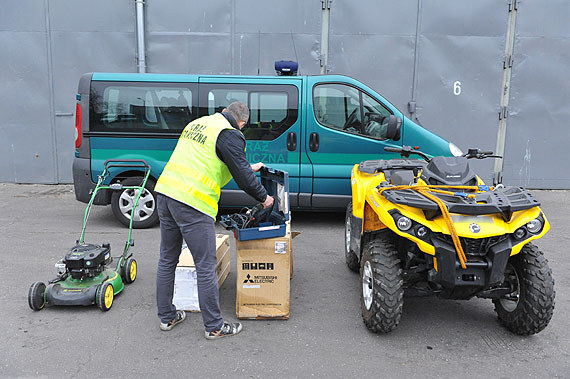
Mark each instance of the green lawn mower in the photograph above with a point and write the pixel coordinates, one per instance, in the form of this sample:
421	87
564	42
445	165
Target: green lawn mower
84	275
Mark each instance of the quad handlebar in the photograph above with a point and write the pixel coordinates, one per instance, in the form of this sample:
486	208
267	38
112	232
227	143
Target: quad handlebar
476	153
406	151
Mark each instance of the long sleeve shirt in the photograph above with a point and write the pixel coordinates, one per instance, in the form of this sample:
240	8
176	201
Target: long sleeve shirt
230	148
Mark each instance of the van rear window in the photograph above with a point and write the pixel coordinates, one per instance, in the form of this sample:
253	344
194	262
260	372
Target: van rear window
141	107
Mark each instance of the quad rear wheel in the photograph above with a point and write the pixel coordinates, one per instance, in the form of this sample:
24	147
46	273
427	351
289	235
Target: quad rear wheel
382	294
36	298
350	255
528	308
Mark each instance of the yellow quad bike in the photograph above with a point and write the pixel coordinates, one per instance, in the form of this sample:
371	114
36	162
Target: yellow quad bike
432	227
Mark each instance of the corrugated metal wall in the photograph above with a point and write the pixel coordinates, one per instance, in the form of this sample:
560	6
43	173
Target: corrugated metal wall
537	148
444	56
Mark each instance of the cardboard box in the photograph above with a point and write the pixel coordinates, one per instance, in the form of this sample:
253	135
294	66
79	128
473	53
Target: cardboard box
185	282
263	278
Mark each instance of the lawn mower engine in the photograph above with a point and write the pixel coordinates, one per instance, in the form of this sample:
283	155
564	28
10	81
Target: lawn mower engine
87	260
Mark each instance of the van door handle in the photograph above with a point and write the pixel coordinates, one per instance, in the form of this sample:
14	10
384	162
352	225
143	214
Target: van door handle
292	141
314	142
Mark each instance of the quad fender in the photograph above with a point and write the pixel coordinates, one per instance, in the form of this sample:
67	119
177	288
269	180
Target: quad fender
364	219
358	193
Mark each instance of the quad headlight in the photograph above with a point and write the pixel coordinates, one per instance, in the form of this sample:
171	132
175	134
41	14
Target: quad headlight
404	223
534	226
520	233
422	231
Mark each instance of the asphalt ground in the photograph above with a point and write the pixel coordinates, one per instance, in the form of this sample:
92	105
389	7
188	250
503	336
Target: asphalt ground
325	336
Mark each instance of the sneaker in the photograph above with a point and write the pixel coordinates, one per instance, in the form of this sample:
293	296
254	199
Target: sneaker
227	330
180	316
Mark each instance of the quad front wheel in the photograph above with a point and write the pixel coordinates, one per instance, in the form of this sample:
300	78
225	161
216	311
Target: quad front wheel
528	308
36	298
350	255
382	293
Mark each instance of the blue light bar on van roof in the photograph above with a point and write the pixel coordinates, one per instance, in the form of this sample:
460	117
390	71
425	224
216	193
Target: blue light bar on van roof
286	67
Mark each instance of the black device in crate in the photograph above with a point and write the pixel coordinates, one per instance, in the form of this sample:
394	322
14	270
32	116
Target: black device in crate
256	222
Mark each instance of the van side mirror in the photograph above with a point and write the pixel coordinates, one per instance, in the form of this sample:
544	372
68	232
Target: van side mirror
394	127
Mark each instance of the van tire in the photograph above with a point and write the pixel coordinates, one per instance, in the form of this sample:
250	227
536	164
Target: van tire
533	285
350	255
381	282
148	211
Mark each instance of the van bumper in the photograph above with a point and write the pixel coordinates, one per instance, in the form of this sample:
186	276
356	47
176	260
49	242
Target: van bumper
83	184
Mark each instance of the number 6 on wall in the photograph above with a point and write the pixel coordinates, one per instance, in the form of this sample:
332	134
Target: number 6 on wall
457	88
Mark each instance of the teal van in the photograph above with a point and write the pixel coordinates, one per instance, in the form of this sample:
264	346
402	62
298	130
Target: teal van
314	127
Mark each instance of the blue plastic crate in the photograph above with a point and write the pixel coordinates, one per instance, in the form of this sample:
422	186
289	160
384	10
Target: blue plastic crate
276	182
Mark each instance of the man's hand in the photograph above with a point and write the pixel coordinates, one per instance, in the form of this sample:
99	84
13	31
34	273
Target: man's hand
257	166
268	202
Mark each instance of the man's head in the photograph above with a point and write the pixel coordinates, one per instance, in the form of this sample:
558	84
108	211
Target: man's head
239	112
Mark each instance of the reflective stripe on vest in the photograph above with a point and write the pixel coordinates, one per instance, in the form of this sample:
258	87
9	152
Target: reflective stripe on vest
194	174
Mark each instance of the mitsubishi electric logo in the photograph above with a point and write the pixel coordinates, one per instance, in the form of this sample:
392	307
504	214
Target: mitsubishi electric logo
256	280
248	279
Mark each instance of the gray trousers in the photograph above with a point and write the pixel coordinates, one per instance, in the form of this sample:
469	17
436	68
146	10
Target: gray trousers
179	221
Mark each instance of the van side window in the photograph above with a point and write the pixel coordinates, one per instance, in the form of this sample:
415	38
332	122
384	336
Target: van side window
273	108
346	108
141	107
218	99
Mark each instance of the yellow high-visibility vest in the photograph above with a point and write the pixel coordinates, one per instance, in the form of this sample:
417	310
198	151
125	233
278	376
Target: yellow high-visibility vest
194	174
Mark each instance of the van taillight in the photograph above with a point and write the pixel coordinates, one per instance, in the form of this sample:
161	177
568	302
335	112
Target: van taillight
77	125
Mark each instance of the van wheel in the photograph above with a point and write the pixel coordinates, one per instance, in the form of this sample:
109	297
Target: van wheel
382	293
122	201
351	257
528	308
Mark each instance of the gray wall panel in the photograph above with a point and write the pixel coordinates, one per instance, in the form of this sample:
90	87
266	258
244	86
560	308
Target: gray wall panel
32	150
470	118
189	54
261	50
538	135
92	16
384	63
24	97
380	17
461	49
25	109
7	168
189	16
464	18
543	18
14	12
277	16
